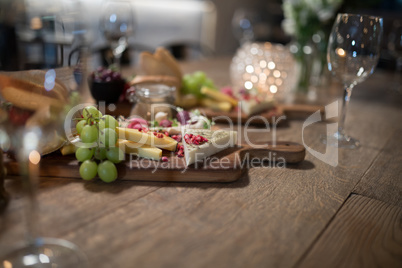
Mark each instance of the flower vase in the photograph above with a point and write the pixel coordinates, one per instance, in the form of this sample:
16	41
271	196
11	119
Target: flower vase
310	61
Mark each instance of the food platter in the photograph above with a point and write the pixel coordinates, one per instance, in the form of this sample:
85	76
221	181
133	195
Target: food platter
235	160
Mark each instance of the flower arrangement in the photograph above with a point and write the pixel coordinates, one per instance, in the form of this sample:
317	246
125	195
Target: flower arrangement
309	22
303	18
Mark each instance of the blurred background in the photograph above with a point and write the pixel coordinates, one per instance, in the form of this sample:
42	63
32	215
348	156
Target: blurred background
192	29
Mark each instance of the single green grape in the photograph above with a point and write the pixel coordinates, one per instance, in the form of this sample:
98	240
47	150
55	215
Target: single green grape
107	121
199	76
80	125
100	153
108	137
89	134
209	83
190	85
115	154
91	112
88	170
107	171
83	154
75	97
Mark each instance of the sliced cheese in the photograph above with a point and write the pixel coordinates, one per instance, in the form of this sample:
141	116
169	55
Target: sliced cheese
142	150
166	143
223	106
68	149
218	96
218	140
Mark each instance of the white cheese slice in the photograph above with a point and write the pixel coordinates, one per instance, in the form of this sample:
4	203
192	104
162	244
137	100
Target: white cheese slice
250	107
218	140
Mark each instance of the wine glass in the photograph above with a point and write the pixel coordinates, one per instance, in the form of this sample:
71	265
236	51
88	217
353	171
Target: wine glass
395	48
116	25
244	21
35	92
353	53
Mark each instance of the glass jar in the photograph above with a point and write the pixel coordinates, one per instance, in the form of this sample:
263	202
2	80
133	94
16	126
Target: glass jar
153	98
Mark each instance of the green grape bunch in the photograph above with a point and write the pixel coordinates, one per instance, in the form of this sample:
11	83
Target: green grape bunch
99	155
192	83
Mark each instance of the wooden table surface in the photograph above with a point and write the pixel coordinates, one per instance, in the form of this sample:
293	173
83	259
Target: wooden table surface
306	215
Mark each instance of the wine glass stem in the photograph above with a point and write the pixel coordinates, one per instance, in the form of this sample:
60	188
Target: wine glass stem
116	59
345	104
3	193
29	179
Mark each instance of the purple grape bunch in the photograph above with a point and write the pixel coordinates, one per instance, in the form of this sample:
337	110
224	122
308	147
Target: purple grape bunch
102	74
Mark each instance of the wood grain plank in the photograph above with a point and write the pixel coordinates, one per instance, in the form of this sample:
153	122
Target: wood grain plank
383	180
65	205
365	233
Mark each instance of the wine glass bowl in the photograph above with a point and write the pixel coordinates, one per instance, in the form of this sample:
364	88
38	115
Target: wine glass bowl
353	53
116	24
33	104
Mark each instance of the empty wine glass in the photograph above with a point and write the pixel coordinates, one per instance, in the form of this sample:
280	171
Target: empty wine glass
116	25
33	103
353	53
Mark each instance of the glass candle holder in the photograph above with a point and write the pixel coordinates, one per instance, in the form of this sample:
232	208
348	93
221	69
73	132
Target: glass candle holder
264	67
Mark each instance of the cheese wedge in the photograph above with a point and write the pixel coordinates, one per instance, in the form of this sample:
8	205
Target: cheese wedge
142	150
163	142
218	140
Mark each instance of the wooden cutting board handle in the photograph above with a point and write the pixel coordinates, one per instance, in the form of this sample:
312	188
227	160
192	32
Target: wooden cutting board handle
290	152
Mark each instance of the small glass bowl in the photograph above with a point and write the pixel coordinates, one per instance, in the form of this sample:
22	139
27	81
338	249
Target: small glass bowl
149	99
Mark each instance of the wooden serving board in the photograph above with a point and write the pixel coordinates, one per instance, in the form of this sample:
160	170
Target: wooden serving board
225	166
290	111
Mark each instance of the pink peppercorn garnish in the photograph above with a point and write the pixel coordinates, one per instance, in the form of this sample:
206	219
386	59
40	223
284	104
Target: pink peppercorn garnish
143	129
194	139
176	138
158	135
180	151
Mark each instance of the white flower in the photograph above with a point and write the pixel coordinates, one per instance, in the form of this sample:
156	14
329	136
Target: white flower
325	14
288	10
314	5
289	26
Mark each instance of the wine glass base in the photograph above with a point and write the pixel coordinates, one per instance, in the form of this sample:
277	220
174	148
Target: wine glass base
340	141
46	252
